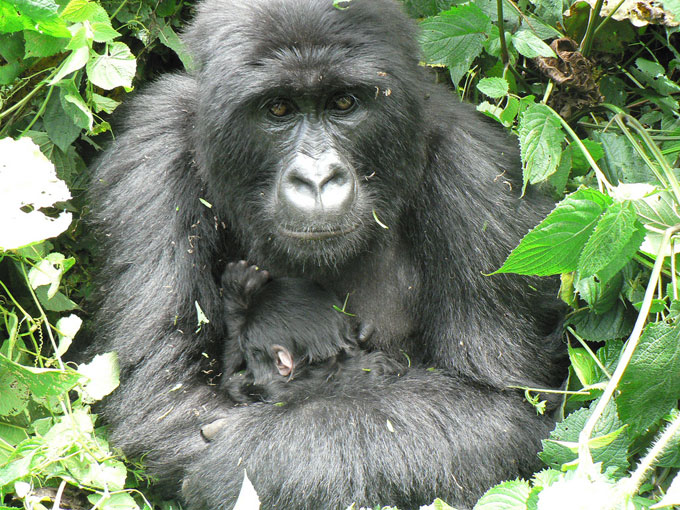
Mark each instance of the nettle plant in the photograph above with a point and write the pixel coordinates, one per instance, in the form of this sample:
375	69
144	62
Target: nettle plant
591	91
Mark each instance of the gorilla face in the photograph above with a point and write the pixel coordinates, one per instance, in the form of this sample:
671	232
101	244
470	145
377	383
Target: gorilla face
317	123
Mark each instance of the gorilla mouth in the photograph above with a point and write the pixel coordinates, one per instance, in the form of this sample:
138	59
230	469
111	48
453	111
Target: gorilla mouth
317	235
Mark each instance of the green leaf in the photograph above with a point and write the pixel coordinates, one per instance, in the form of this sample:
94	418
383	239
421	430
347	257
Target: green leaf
584	366
555	245
117	501
77	11
540	138
169	38
600	296
455	38
616	323
650	387
57	303
74	105
103	31
41	382
76	60
114	69
493	87
60	128
612	455
512	495
103	103
37	9
580	164
41	45
621	163
531	46
616	238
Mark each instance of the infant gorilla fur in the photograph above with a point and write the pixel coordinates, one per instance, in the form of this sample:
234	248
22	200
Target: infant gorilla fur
293	339
300	123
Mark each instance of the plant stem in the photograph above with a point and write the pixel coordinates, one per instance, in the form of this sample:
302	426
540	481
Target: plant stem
587	42
501	33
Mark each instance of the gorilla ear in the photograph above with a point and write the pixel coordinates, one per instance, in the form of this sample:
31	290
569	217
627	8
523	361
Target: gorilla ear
283	359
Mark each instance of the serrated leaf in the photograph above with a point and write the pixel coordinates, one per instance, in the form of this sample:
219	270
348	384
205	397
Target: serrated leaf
41	382
555	245
613	455
114	69
77	11
455	38
616	323
41	45
37	9
530	45
493	87
540	139
116	501
650	387
600	296
512	495
617	236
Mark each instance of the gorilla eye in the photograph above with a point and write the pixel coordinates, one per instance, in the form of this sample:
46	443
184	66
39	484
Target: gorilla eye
280	108
343	102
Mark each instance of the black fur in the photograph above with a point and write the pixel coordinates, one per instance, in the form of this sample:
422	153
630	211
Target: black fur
304	321
443	180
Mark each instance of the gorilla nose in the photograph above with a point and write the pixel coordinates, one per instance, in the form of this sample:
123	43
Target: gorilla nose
319	186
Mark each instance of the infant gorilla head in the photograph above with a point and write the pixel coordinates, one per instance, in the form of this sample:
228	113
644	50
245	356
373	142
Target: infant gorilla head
291	338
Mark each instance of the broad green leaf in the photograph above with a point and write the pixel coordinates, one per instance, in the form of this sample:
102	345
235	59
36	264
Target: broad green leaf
530	45
76	60
455	38
59	126
15	395
540	139
617	236
621	163
103	103
77	11
169	38
103	31
41	382
116	501
74	105
41	45
600	296
11	20
613	455
615	323
57	303
650	387
584	366
550	11
109	475
512	495
580	164
555	245
49	272
493	87
114	69
37	9
672	6
654	75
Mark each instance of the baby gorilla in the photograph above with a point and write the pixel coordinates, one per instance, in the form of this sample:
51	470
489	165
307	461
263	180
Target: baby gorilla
292	340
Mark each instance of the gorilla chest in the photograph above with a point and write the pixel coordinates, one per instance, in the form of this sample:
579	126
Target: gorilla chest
382	292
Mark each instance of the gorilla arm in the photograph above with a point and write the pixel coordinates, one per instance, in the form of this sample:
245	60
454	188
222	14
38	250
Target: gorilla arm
399	441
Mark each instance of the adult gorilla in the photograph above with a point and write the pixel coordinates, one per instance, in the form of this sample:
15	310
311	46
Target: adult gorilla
302	126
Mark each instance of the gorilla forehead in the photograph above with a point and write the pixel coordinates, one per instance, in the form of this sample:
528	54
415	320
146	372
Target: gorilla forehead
305	42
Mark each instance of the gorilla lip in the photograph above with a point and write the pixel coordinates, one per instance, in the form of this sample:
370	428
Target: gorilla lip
317	235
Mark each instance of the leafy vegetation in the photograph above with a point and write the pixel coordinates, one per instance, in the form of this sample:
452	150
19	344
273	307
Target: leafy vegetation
591	90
